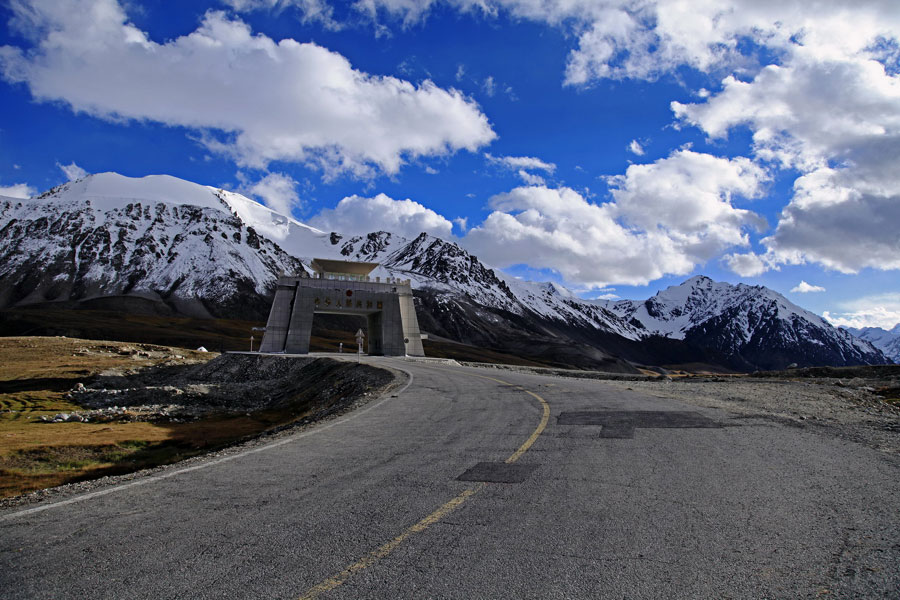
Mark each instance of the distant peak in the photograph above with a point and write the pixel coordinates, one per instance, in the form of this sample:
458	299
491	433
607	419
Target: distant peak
698	279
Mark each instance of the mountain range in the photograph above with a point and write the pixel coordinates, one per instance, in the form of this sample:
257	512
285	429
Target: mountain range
888	341
170	246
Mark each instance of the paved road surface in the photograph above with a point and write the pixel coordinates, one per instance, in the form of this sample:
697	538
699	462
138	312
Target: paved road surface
371	507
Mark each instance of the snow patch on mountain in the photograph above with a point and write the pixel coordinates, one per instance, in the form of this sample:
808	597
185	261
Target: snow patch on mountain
678	309
888	341
737	318
159	237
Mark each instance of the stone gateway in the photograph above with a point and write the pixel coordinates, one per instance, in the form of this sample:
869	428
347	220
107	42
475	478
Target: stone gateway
344	288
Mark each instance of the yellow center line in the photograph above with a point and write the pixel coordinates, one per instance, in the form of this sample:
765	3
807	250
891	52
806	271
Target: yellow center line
447	508
379	553
545	418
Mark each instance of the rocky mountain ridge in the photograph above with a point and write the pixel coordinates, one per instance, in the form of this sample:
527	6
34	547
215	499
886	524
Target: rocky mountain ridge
751	325
886	340
205	251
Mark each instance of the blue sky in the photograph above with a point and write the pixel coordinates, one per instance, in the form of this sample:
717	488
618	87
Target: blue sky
612	146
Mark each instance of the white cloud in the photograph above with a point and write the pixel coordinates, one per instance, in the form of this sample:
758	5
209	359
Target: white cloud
807	111
806	288
460	72
17	190
828	105
667	217
489	87
558	229
462	223
746	265
356	215
840	220
646	38
635	148
277	191
249	96
530	163
607	296
72	171
834	116
688	198
310	10
530	178
881	310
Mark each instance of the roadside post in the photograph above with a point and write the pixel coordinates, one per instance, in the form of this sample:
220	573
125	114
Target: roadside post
359	342
252	338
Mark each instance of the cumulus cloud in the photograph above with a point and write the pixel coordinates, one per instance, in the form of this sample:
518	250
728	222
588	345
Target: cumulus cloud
248	96
646	38
806	288
667	217
832	111
17	190
277	191
838	219
881	310
558	229
688	197
808	111
72	171
356	215
746	265
530	178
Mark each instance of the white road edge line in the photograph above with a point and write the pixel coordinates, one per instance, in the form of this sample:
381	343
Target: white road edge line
212	463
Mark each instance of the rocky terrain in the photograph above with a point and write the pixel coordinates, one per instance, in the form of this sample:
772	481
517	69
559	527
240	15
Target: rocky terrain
861	406
226	385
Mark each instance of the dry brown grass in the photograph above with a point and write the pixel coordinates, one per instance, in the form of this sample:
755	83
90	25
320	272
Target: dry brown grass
35	374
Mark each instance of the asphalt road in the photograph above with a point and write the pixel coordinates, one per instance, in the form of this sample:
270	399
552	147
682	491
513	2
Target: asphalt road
652	505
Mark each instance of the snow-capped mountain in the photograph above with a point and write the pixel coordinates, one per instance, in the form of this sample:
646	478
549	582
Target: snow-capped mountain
888	341
158	237
750	326
203	251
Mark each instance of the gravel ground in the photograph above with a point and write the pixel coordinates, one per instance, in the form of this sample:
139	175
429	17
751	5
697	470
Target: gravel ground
830	406
848	402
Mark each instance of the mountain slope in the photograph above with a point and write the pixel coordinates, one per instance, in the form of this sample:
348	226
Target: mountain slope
163	239
888	341
753	327
203	251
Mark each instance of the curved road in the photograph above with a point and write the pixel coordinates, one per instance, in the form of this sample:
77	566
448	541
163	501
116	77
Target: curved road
593	493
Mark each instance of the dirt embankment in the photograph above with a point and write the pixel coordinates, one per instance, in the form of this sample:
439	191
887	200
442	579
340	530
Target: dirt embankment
228	384
73	410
